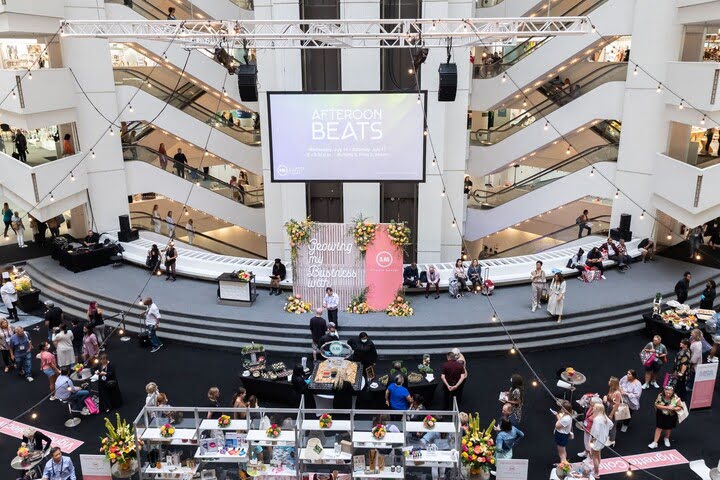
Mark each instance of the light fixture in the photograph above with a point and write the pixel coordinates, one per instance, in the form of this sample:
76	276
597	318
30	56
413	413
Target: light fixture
629	472
443	193
165	57
454	223
425	132
504	77
112	132
464	256
29	75
410	71
92	153
681	106
513	351
14	94
567	152
547	125
669	236
593	28
592	171
642	215
659	88
418	100
149	84
52	197
33	416
494	318
524	103
702	122
121	331
534	383
617	194
72	176
635	71
224	92
186	212
434	161
130	108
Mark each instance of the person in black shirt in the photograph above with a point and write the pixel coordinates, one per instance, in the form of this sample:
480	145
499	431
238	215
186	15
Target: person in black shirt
682	287
91	239
299	385
77	331
595	259
318	327
364	350
707	298
213	401
467	185
170	260
343	393
36	440
180	162
53	318
647	247
330	336
411	277
21	146
278	275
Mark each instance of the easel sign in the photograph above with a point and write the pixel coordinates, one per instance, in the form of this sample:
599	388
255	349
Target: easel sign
370	372
511	469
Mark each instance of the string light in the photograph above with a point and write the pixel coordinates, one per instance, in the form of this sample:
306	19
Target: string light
443	193
617	194
592	171
659	88
592	28
29	75
425	132
669	236
698	257
524	103
410	71
629	472
165	56
112	132
454	223
33	416
434	161
121	332
72	176
92	153
14	94
513	351
534	383
567	152
642	215
547	125
224	92
494	318
418	100
702	122
635	71
681	104
52	197
130	108
504	77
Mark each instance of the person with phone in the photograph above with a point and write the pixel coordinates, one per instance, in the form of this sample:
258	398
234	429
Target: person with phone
563	428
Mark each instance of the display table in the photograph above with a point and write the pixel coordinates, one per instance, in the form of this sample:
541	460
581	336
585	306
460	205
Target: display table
232	291
86	259
670	335
29	301
280	390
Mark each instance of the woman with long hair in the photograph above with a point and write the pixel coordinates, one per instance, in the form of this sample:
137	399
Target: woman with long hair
557	296
343	393
600	436
90	343
707	298
48	365
563	429
238	401
516	396
5	333
97	323
63	340
162	156
612	401
108	387
460	276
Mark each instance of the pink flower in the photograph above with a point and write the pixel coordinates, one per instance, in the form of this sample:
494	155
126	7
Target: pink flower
298	296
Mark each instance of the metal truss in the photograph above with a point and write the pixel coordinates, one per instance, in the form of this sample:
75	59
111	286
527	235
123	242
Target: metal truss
291	34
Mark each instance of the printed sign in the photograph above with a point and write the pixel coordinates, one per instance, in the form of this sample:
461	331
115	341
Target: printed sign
383	270
95	467
15	429
704	385
511	469
646	461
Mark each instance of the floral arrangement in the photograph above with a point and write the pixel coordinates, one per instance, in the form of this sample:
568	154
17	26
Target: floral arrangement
296	305
564	467
252	348
358	304
299	233
399	308
570	371
429	422
223	421
23	452
273	431
399	233
244	276
325	420
119	445
379	431
78	367
424	367
22	284
167	431
478	447
363	231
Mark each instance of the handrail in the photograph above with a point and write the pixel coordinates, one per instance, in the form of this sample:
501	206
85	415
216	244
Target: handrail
203	113
145	215
160	15
198	175
547	106
495	69
482	196
548	235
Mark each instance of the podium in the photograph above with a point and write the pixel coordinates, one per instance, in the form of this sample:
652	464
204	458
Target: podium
231	291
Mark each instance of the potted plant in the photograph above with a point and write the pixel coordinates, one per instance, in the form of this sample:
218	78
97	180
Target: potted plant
119	447
478	450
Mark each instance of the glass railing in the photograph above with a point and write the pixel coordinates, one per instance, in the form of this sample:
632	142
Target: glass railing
600	226
556	98
143	221
608	129
185	99
535	178
184	9
249	196
513	55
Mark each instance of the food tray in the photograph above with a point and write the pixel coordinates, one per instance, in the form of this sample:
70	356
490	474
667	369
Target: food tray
278	367
322	378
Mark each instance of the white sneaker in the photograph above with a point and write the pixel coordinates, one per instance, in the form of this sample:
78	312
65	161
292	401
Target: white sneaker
603	277
582	454
667	442
85	411
645	386
623	428
53	398
534	308
713	359
655	385
30	379
653	446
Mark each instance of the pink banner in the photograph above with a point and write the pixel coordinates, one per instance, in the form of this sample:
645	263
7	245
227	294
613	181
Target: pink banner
648	460
704	385
15	429
383	270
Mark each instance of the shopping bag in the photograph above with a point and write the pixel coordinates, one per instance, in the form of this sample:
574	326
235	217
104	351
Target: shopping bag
91	406
622	412
683	414
544	296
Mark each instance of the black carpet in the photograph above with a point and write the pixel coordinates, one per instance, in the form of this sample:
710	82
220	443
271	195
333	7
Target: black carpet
709	257
12	253
185	373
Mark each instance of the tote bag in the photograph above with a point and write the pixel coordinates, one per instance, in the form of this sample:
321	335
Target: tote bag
622	412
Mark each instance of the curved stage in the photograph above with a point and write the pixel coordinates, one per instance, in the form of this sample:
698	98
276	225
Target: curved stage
190	313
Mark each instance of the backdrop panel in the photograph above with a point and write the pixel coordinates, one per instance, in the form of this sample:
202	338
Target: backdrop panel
383	270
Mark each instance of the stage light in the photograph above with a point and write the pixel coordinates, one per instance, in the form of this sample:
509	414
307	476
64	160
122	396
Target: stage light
420	57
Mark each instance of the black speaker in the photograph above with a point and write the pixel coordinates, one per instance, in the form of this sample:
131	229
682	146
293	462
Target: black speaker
447	88
626	235
625	222
615	234
128	236
124	223
247	82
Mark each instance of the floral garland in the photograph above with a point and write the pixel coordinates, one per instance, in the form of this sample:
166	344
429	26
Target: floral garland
478	447
399	308
299	233
118	444
358	304
399	233
363	232
295	304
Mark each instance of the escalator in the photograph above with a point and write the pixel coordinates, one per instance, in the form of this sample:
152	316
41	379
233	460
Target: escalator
142	221
246	195
485	199
522	50
555	99
189	9
601	226
186	98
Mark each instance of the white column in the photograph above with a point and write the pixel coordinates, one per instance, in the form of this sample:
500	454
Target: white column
360	71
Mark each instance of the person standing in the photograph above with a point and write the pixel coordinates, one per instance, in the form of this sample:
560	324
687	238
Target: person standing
330	303
631	389
433	281
180	162
110	395
20	348
60	467
696	239
9	298
538	284
682	287
506	439
707	298
667	406
63	341
19	227
612	402
21	146
651	371
696	356
453	378
90	344
152	322
48	365
397	397
53	318
170	221
681	371
364	350
583	223
96	321
516	396
171	14
68	148
709	134
563	429
279	272
170	261
557	296
7	214
162	156
600	434
155	220
190	228
5	333
318	327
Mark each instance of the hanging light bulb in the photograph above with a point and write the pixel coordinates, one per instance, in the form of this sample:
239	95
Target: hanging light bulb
434	161
513	351
186	212
224	92
534	383
33	416
410	71
52	197
504	77
698	257
92	153
659	88
567	152
112	132
702	122
629	472
425	132
29	75
635	71
592	171
524	103
443	193
121	332
418	100
165	57
642	215
454	223
669	236
130	108
494	318
681	106
72	176
593	28
14	94
149	84
617	194
547	125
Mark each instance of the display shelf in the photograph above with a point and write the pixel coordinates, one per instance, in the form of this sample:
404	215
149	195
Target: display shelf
367	438
385	473
444	457
337	426
286	436
272	472
220	457
235	425
440	427
182	435
327	456
166	469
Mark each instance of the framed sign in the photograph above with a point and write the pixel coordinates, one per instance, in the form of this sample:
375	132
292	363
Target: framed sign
511	469
95	467
370	372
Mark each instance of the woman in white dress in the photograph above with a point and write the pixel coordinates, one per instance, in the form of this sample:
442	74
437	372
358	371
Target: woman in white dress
156	222
600	435
63	340
557	296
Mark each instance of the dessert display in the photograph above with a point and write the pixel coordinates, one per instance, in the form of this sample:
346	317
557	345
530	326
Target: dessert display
680	319
325	372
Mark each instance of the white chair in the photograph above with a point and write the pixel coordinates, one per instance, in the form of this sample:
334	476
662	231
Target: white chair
699	467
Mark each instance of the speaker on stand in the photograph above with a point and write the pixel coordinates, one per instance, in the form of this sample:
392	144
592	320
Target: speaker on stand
624	229
127	234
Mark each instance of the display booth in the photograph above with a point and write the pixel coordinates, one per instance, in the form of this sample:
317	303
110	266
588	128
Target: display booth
28	296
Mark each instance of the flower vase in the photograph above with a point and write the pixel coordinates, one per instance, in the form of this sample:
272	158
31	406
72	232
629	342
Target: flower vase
124	469
561	474
472	474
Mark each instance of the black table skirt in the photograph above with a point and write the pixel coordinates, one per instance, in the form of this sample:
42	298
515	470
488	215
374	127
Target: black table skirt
670	335
87	260
277	390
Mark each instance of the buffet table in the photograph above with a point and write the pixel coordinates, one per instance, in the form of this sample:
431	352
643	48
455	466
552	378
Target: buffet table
87	259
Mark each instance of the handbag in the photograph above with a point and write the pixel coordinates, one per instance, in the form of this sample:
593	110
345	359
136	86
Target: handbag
683	414
544	295
623	411
670	380
569	263
647	358
91	406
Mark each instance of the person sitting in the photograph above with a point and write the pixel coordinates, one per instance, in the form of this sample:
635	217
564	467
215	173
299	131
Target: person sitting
67	391
433	281
36	440
91	239
616	255
475	276
153	258
577	261
595	260
411	277
460	276
647	248
278	275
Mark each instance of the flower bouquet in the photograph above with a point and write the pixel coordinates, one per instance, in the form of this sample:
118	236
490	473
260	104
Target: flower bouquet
244	276
119	445
399	233
78	367
23	452
223	421
167	431
22	284
478	447
359	305
399	308
570	371
299	233
363	232
429	422
379	431
325	420
295	304
273	431
563	469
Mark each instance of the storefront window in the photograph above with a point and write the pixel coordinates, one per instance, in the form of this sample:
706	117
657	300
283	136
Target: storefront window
43	144
617	51
22	54
124	56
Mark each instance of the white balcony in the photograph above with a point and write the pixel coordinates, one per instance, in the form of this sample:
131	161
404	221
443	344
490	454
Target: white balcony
31	16
700	84
697	11
46	99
